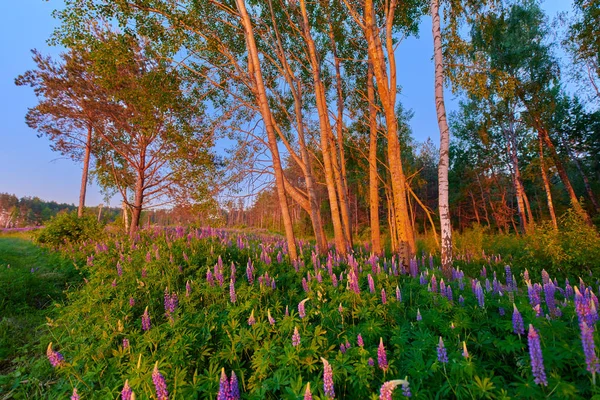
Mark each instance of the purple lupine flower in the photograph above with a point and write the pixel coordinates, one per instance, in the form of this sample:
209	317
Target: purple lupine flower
382	356
209	277
307	393
340	308
398	294
442	287
442	354
56	359
526	275
131	302
119	269
406	389
461	300
419	315
501	311
223	386
144	272
270	318
360	341
449	294
75	395
465	352
370	361
232	296
422	279
568	289
296	337
508	276
343	348
114	283
125	343
251	320
126	393
387	389
371	283
537	360
159	384
328	379
188	289
549	290
383	296
305	285
234	387
287	312
301	309
589	348
434	284
545	277
479	294
145	320
517	321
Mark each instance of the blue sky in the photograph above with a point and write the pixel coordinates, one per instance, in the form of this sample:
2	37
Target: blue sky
28	167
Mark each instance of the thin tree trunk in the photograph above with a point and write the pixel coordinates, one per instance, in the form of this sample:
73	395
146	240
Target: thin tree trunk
261	97
138	201
547	186
563	174
327	151
586	182
85	172
443	202
373	176
475	208
387	94
516	178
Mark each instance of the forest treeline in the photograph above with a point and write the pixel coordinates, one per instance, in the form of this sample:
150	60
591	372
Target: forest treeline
308	94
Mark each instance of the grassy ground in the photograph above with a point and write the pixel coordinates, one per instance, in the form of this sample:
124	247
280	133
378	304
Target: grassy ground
32	281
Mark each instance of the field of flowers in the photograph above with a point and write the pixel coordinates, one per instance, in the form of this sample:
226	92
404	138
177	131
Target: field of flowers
214	314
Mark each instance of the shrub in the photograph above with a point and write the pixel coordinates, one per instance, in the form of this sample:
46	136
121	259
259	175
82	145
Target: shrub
67	228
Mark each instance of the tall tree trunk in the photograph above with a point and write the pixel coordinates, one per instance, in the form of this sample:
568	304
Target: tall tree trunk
138	201
261	97
85	172
373	176
516	177
443	202
125	215
341	181
387	94
586	182
543	134
327	150
547	186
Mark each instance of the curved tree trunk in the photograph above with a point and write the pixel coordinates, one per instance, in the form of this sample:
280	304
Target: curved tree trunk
446	227
261	97
547	187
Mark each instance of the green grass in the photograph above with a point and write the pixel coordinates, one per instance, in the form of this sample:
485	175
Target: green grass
32	281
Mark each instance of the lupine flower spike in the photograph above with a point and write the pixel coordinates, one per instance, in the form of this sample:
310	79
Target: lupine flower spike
517	320
223	386
75	395
159	384
296	337
382	356
441	352
271	319
127	393
307	393
301	309
328	379
234	388
387	389
465	352
55	358
537	361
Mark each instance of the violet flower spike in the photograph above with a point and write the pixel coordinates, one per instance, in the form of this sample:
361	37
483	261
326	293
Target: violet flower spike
442	354
419	318
146	320
234	388
382	356
301	309
270	318
159	384
517	321
56	359
387	389
223	386
126	393
537	360
75	395
328	379
360	341
251	320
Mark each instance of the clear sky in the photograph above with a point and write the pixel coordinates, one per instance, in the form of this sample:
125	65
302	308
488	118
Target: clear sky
28	167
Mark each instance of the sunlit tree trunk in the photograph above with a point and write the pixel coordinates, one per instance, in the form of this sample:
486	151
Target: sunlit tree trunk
261	97
373	176
516	177
586	182
387	93
443	204
85	172
326	135
547	186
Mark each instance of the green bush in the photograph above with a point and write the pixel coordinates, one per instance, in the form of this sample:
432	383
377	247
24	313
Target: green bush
67	228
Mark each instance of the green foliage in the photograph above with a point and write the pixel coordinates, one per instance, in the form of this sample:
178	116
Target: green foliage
66	228
574	249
